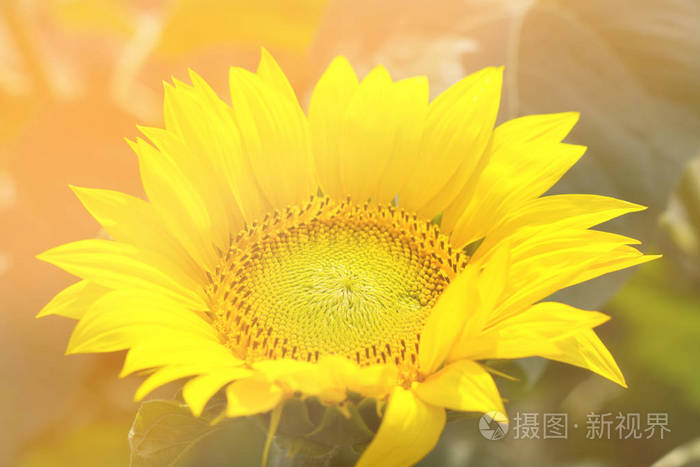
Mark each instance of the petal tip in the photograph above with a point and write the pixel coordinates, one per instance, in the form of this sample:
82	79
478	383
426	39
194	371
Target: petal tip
45	311
265	54
45	256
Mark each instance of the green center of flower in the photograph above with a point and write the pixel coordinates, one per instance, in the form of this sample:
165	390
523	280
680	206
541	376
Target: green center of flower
332	278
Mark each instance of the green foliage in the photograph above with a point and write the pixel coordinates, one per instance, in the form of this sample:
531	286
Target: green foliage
164	430
165	433
663	318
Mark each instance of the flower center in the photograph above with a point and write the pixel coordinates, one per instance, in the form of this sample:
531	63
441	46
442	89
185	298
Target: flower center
332	278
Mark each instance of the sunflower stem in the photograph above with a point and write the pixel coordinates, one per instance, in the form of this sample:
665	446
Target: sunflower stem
274	423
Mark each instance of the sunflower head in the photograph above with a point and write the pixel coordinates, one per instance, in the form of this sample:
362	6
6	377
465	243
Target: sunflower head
285	254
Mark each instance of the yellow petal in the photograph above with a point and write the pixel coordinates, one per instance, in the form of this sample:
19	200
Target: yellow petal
554	260
555	212
178	202
328	105
410	429
411	103
203	141
271	74
565	340
162	377
219	137
117	265
131	220
368	136
345	375
544	260
251	396
334	375
199	390
573	211
74	301
516	133
493	282
514	175
458	128
124	318
543	241
195	153
551	128
381	131
528	333
330	378
585	349
374	380
275	139
628	257
296	375
158	352
173	373
463	385
459	300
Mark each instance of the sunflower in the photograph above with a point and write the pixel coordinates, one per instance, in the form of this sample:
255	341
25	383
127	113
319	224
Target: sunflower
381	244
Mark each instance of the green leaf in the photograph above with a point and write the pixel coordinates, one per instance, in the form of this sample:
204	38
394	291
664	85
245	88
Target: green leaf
301	448
163	431
239	442
336	429
295	419
367	409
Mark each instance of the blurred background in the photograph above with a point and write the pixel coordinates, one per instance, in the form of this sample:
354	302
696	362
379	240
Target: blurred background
76	76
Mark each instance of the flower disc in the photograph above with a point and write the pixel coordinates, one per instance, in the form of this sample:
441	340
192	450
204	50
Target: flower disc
332	278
